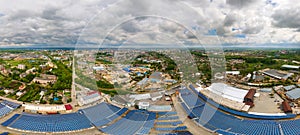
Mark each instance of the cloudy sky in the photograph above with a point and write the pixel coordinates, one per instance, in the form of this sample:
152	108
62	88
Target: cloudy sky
113	22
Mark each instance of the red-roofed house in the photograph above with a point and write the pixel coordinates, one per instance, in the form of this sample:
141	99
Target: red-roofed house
68	107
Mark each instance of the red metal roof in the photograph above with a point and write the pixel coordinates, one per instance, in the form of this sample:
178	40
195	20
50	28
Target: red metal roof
68	107
250	94
286	106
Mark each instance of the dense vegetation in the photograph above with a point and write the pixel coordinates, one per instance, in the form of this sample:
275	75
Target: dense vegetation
64	76
32	94
104	84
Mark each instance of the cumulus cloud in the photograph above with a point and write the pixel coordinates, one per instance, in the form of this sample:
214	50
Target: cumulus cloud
67	22
230	19
287	18
240	3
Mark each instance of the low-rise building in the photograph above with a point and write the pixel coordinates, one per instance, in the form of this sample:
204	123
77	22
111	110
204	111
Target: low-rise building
89	98
290	67
233	72
8	91
45	79
21	66
249	98
290	87
286	107
155	77
143	105
293	94
277	74
19	93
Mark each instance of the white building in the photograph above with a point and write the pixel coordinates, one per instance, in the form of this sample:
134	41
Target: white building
143	105
44	108
89	98
19	93
228	92
290	66
21	66
45	79
233	72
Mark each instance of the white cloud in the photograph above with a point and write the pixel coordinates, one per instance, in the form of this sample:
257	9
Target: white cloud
65	21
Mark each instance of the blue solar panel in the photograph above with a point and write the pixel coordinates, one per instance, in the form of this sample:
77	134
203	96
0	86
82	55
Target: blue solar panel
221	107
10	104
132	123
103	113
5	110
179	128
173	123
190	99
51	123
213	119
168	118
10	120
5	133
166	113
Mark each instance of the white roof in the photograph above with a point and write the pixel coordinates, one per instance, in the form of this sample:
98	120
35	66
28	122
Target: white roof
160	108
140	96
267	114
228	92
290	66
98	68
233	72
144	103
48	108
266	90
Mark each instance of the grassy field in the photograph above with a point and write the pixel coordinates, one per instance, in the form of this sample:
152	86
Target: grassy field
29	63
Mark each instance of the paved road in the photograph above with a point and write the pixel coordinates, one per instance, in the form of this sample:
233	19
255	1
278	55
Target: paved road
73	89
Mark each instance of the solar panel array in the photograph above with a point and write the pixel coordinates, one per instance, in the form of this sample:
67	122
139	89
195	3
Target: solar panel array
103	113
50	123
6	107
135	122
220	122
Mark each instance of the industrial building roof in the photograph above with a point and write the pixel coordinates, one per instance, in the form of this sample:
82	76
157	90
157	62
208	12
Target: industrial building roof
290	66
290	87
163	108
286	106
266	90
294	94
227	91
250	94
156	75
276	74
233	72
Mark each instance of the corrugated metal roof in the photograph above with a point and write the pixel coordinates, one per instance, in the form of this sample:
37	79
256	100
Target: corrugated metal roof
250	94
91	96
290	87
294	94
266	90
276	74
286	106
290	66
228	91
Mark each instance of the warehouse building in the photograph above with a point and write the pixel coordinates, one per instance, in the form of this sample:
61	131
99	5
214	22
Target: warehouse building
293	94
